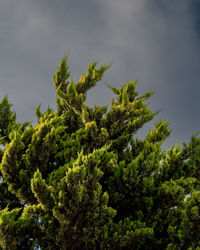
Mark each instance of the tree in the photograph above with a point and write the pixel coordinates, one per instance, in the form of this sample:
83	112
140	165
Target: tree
81	179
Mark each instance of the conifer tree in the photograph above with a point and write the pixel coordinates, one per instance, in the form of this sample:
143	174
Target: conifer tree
81	179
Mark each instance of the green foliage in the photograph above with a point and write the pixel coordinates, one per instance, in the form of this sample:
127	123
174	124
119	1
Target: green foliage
80	178
7	120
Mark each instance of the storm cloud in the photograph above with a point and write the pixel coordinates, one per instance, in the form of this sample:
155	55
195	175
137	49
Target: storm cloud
154	41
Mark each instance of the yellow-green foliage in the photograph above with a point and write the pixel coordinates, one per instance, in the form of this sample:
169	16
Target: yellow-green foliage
81	179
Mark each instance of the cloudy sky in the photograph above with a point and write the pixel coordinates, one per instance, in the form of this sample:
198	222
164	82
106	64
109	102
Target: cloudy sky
156	41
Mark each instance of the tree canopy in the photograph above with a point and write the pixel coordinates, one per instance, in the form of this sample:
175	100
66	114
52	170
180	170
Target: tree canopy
82	179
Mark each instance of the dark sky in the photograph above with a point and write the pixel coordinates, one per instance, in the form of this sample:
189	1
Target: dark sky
156	41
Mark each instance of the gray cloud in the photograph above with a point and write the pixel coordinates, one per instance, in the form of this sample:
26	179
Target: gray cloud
155	41
163	54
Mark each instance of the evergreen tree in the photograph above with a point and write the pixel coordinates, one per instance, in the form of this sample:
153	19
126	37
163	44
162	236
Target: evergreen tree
81	179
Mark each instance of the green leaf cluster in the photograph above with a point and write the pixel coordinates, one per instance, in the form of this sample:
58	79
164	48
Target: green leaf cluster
81	179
